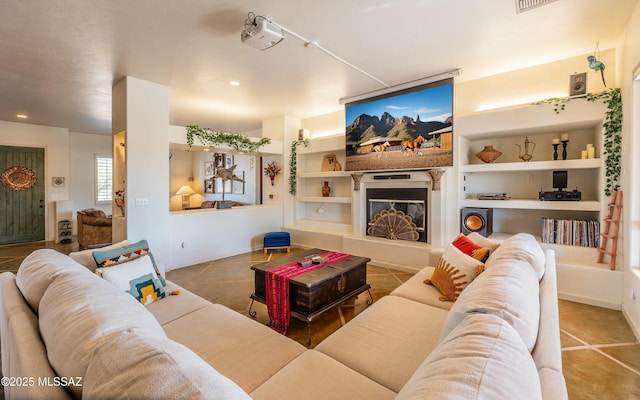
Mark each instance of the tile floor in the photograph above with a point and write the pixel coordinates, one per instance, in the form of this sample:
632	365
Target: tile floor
601	356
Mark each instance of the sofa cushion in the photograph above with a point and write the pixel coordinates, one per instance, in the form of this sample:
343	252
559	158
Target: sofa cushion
85	257
81	312
27	358
415	289
324	378
388	341
173	307
39	269
136	277
245	351
454	271
509	290
480	240
483	358
468	247
92	212
522	246
133	365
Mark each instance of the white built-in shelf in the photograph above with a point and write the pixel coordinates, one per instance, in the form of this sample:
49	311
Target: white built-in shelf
327	144
319	174
592	163
320	199
534	204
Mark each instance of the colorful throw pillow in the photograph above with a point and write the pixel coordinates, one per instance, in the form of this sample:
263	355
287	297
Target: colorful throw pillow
136	277
453	272
120	255
468	247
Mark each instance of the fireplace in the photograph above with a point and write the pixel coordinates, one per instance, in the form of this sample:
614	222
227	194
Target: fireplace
397	213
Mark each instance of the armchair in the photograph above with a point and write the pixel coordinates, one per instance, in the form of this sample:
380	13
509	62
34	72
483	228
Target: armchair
94	227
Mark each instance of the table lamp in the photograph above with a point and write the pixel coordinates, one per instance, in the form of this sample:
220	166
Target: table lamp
185	192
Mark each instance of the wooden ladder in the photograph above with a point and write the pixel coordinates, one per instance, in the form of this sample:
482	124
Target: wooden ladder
611	232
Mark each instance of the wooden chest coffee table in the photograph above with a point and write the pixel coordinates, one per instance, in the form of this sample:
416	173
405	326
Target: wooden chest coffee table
314	293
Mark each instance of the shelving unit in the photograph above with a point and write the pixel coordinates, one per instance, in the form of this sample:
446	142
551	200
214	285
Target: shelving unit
333	213
580	277
505	129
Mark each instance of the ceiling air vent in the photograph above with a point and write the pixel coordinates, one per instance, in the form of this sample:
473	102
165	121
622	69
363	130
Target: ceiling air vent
526	5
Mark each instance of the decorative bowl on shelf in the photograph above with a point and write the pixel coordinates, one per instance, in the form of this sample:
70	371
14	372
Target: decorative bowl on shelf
489	154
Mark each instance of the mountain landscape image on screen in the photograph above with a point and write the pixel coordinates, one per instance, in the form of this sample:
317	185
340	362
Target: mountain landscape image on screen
406	129
366	127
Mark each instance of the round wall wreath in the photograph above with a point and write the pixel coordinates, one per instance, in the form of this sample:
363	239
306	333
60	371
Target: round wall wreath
18	178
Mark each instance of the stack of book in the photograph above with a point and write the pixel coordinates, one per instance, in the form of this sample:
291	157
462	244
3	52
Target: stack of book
571	232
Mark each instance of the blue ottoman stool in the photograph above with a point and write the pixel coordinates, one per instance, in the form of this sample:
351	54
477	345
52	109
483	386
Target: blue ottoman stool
277	240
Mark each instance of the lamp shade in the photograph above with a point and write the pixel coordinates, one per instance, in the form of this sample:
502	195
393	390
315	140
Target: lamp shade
186	190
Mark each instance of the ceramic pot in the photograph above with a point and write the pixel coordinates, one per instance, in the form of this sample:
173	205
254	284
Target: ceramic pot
489	154
326	190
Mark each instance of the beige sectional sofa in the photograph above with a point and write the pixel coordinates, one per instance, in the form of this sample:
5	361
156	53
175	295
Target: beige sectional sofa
67	333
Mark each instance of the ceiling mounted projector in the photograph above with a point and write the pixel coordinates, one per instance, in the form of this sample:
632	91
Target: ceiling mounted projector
262	34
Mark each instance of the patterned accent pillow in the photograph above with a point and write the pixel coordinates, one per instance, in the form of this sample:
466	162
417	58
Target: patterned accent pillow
453	272
136	277
470	248
112	257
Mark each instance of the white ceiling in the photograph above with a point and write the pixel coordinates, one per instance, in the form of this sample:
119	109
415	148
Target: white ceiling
59	58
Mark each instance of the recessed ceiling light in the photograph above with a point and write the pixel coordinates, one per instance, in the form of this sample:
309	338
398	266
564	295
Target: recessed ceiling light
22	116
234	83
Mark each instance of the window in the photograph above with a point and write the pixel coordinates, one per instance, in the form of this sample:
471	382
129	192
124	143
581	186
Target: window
104	179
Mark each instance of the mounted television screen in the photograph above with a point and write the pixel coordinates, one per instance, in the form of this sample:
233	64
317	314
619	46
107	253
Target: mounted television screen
407	129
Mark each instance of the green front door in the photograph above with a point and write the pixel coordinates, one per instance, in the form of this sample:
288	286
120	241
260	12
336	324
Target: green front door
21	194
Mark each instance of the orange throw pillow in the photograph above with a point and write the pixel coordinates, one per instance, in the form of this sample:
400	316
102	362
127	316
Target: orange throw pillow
454	271
468	247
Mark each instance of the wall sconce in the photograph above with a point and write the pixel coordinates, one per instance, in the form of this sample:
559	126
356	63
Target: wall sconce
186	193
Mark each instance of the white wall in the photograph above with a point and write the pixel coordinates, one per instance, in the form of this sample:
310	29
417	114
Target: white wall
631	170
203	235
530	84
82	150
55	142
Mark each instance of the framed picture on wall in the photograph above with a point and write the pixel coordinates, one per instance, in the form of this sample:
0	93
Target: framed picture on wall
237	186
228	161
217	186
209	168
208	185
218	160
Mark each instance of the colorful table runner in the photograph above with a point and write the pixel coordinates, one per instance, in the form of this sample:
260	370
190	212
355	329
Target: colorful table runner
277	289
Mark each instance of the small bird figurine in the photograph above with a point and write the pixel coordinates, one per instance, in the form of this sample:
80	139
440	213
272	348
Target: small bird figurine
597	66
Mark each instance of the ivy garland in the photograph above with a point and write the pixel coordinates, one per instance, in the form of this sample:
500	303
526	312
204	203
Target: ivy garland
612	132
293	164
238	142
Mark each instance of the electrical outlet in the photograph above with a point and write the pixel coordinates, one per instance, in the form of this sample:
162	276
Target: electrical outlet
142	201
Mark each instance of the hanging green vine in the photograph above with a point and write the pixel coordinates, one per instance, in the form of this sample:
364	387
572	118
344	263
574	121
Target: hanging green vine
612	136
612	143
238	142
293	164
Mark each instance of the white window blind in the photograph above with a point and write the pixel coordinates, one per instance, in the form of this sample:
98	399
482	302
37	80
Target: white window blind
104	179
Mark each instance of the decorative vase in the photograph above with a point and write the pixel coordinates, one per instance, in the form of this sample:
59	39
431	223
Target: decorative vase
272	179
326	190
489	154
122	210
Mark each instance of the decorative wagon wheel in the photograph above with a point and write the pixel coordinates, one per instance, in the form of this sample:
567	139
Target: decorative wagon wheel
393	224
18	178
